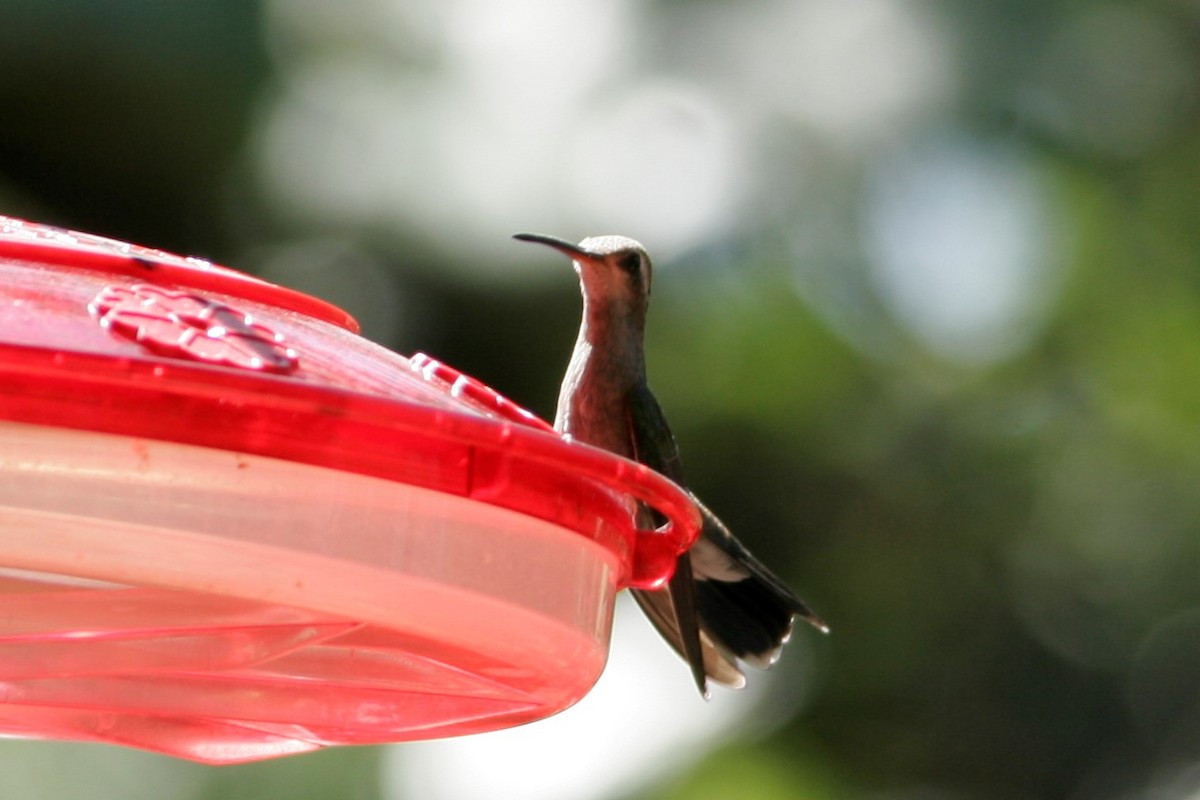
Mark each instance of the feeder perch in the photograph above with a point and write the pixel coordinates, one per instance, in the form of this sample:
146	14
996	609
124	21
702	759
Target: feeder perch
232	529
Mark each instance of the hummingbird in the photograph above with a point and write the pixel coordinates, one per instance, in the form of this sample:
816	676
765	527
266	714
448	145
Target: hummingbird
721	606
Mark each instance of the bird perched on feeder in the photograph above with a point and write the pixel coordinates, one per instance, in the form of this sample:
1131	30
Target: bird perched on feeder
722	605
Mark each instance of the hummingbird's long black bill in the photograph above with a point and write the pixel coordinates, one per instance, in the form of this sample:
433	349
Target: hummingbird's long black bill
562	245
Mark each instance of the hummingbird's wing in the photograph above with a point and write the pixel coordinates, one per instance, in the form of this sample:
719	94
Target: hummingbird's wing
713	661
714	530
674	612
653	441
743	610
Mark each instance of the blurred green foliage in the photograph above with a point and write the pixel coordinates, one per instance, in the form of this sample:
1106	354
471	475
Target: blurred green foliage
1008	552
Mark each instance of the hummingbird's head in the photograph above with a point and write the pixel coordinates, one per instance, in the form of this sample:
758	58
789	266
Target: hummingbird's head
613	269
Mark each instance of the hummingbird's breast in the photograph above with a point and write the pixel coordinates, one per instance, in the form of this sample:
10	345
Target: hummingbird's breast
594	401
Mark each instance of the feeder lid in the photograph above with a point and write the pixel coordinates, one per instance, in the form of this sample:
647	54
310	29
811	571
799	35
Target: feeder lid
231	528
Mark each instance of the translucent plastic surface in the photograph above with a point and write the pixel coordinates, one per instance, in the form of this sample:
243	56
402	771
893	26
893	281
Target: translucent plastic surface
274	601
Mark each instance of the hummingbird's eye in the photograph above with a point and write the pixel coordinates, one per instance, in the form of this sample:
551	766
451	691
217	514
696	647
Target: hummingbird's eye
631	263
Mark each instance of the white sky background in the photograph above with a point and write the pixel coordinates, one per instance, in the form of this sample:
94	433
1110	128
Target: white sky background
459	123
469	120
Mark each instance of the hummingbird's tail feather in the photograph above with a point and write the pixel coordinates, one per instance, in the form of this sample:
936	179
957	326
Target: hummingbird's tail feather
744	609
746	617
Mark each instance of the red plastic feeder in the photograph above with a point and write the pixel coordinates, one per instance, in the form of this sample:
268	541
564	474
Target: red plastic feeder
231	528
